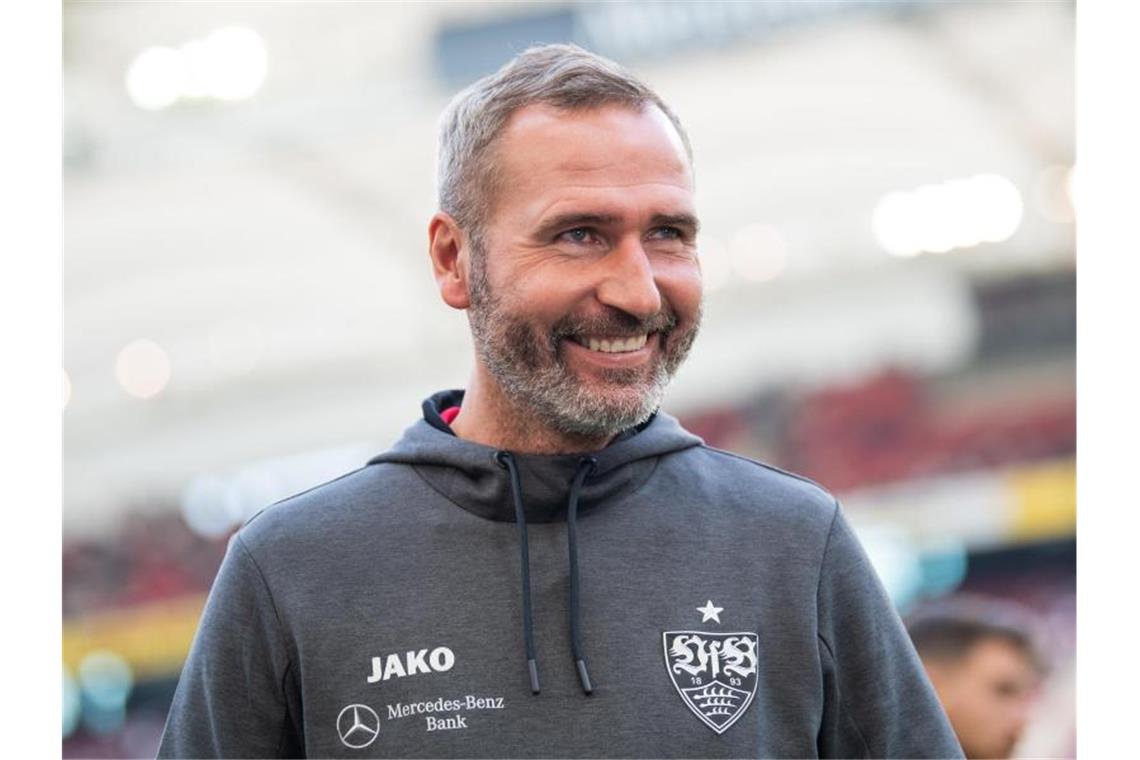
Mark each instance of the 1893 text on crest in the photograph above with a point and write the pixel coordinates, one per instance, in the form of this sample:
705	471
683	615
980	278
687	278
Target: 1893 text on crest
715	673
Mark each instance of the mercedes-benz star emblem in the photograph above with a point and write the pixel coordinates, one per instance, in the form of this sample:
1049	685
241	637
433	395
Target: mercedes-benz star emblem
358	726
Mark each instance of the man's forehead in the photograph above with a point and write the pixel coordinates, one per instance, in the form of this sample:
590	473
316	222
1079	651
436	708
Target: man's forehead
592	139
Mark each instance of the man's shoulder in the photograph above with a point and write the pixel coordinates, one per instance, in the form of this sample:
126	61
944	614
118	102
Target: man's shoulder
744	491
748	499
728	464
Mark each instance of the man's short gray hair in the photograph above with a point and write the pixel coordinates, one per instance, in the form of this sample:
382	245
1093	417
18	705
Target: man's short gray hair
562	76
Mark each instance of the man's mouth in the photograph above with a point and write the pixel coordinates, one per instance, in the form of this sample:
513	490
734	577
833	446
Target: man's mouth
612	344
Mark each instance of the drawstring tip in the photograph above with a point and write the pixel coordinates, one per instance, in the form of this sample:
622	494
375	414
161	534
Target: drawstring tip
533	667
584	677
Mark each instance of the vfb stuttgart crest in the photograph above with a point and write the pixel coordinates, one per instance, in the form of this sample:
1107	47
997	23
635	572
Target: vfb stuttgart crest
715	673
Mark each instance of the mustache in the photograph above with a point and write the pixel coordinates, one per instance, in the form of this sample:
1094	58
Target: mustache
614	322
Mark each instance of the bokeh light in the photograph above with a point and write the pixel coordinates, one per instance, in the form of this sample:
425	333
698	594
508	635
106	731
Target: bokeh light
106	678
156	78
895	225
142	368
211	506
997	205
1052	194
937	218
71	703
235	64
106	681
228	64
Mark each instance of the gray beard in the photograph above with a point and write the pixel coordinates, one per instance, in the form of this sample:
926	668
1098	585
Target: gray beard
532	371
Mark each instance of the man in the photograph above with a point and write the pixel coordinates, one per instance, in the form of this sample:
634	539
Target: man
982	660
547	565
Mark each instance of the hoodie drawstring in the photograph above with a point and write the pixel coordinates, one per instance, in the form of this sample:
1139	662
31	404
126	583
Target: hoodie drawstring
506	459
586	466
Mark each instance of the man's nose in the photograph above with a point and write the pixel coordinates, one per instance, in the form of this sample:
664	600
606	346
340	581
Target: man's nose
628	281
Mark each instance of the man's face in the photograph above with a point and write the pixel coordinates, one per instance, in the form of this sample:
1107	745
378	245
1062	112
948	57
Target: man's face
987	695
585	297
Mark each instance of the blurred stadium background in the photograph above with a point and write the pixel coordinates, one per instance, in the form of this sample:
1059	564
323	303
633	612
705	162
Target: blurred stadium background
887	191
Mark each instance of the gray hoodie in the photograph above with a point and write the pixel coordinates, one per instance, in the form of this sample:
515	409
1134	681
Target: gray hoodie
660	598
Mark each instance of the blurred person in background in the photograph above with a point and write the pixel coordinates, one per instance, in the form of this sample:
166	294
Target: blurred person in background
380	614
983	658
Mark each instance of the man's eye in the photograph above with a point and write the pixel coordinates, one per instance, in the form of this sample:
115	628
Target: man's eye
667	233
578	235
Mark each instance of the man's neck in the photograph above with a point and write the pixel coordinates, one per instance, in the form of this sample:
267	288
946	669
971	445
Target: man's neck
490	418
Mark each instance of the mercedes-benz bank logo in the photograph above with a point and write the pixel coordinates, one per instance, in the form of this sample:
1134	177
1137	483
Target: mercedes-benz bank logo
358	726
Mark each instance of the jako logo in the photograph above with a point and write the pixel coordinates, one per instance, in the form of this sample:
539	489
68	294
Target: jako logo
395	666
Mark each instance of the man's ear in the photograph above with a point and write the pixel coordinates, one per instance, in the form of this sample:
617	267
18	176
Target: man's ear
450	259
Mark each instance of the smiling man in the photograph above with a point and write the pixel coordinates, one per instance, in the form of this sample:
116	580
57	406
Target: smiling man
591	299
547	564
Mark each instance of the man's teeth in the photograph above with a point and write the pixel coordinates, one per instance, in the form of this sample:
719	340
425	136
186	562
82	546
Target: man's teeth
614	345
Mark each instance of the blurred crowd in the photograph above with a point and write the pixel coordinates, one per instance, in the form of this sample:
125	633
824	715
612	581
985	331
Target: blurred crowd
154	556
892	427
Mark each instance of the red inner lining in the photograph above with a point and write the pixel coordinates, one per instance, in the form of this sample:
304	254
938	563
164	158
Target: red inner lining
449	414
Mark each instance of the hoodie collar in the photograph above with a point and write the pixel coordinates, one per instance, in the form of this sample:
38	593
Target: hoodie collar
468	474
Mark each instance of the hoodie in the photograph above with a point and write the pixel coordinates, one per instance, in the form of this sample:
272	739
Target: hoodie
656	598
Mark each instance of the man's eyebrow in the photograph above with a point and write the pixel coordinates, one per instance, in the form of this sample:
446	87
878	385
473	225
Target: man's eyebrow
577	219
676	220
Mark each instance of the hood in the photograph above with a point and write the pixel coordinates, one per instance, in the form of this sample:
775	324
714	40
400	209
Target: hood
470	475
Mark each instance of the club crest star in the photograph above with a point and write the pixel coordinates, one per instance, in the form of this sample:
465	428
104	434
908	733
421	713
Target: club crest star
709	612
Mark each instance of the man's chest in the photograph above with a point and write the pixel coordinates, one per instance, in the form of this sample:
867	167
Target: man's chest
433	664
